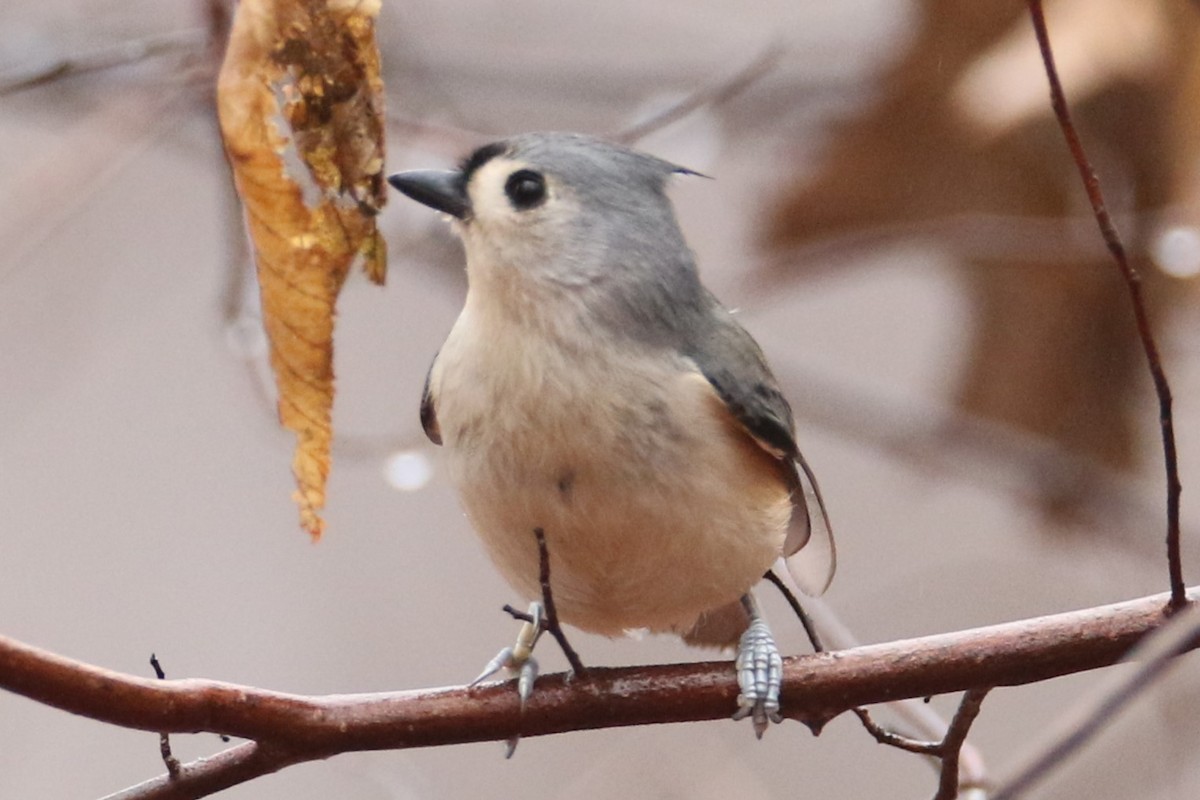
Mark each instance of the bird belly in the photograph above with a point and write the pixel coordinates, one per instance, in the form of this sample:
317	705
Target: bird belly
655	505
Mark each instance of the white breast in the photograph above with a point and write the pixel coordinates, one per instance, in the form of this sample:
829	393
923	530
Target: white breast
656	506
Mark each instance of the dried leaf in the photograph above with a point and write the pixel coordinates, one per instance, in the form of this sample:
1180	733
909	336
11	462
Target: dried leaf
301	106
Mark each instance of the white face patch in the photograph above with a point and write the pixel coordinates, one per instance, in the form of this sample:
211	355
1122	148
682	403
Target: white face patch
489	203
492	208
500	236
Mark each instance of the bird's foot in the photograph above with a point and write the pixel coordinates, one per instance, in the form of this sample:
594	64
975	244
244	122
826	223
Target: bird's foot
518	660
759	671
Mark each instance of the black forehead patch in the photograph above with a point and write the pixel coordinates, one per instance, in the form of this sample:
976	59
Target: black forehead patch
480	157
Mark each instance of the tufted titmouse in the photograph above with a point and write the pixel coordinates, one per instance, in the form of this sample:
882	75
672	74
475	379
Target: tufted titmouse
594	389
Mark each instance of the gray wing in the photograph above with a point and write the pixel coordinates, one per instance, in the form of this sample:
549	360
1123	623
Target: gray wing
734	364
429	411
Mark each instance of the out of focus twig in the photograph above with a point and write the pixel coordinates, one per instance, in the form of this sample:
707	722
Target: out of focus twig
105	57
1179	636
1133	281
940	440
706	96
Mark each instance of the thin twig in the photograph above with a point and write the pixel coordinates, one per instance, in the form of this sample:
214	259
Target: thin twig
814	637
893	739
452	139
968	710
1133	282
519	616
706	96
948	749
1178	636
164	739
551	622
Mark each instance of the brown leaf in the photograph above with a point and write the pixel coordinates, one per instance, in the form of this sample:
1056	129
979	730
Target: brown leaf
301	106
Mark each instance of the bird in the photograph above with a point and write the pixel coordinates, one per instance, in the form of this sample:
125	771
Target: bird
594	390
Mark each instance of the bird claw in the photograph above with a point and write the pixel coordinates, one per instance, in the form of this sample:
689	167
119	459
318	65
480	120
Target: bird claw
518	659
503	659
526	675
760	674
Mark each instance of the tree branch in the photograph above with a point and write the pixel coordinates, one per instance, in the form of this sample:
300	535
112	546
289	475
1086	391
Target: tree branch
292	728
956	736
207	776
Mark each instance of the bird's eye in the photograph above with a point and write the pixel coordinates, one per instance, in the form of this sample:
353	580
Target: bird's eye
525	189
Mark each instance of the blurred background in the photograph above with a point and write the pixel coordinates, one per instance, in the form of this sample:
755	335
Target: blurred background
895	216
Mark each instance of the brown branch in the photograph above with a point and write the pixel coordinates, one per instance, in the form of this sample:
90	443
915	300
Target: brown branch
1133	281
292	728
956	735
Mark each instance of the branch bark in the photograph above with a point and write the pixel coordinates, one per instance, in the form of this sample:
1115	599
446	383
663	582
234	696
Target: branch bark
815	688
